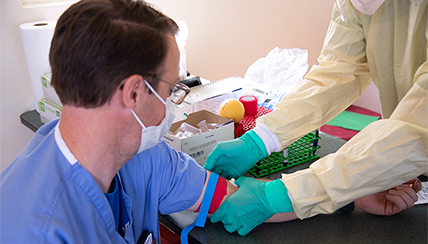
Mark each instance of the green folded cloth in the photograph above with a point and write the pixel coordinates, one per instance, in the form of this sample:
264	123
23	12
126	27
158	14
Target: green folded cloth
352	121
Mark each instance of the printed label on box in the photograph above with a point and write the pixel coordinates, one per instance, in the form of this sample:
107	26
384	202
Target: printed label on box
48	110
48	91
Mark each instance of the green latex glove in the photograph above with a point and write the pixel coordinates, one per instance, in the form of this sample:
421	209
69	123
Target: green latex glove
254	203
231	159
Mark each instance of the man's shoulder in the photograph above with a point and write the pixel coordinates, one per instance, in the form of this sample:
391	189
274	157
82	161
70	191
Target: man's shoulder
37	157
43	136
161	162
161	155
30	187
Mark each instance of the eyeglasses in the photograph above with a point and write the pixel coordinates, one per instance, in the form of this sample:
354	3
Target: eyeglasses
179	93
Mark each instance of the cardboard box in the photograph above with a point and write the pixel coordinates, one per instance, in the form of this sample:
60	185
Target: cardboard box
199	146
48	110
48	91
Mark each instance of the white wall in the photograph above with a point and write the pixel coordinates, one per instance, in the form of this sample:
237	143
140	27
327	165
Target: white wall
225	38
370	99
15	89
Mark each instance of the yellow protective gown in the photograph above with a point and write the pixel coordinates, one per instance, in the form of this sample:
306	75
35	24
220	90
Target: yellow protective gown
390	48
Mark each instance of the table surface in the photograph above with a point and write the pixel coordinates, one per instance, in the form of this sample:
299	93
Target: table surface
358	226
409	226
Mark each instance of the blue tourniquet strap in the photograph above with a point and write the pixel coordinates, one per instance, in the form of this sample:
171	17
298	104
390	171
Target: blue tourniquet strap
203	211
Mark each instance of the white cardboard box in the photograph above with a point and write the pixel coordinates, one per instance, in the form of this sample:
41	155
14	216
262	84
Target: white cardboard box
48	110
199	146
48	91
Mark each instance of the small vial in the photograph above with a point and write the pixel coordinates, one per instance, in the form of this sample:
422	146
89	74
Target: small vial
203	126
190	128
212	126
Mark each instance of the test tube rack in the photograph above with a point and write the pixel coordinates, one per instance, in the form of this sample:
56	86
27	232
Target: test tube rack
298	152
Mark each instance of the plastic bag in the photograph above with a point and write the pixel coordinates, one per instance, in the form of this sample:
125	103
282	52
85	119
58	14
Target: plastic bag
181	38
271	77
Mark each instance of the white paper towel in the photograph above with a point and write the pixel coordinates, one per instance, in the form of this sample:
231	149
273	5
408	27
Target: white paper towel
36	39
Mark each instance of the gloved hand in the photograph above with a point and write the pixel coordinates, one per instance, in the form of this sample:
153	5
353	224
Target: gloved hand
231	159
254	203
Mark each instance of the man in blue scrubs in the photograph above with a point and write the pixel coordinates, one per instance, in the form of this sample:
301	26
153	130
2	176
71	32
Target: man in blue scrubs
101	174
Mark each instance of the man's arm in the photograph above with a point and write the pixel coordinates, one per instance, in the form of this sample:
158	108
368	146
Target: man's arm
388	202
230	189
391	201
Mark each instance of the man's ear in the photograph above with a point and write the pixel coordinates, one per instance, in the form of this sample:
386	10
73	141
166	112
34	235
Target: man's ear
134	91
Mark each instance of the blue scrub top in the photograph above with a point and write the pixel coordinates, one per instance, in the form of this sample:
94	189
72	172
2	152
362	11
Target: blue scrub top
45	198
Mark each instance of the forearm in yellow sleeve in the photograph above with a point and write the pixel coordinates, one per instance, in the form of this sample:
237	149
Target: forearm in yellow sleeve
328	89
383	155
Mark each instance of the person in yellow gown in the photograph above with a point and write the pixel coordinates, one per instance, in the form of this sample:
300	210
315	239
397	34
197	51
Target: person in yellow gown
380	41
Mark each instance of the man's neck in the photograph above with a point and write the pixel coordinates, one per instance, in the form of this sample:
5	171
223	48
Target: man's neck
92	136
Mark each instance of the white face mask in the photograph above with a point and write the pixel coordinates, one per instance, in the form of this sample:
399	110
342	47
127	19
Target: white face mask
151	135
368	7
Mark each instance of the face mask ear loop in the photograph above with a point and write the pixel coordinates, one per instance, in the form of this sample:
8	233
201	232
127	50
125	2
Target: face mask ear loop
154	92
138	119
